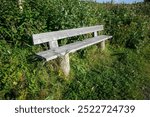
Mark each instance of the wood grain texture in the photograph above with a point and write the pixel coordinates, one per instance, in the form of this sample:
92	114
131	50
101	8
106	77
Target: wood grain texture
57	35
69	48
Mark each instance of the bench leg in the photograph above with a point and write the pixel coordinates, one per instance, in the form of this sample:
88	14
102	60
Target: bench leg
103	45
65	64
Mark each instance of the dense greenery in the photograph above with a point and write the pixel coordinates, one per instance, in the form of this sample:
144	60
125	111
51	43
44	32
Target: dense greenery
120	72
146	0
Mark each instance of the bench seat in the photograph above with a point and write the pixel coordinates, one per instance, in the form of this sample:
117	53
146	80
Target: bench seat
69	48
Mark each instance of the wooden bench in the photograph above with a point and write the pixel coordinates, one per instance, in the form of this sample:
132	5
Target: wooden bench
62	52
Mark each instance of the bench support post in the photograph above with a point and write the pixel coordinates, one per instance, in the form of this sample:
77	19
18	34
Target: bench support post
64	60
65	64
53	44
95	34
103	45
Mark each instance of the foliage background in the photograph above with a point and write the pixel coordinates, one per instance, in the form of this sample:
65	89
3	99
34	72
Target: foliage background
120	72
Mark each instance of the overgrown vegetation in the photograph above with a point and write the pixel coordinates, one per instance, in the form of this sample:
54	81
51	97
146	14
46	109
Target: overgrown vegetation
120	72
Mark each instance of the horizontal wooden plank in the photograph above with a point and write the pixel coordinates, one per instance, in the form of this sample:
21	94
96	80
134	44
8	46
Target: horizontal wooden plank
60	51
56	35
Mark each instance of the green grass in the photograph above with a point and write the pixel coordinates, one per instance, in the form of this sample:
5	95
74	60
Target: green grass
120	72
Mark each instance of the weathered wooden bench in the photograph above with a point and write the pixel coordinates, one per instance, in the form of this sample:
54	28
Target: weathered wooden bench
62	52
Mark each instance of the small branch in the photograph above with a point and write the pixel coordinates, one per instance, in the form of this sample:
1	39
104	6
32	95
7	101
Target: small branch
20	3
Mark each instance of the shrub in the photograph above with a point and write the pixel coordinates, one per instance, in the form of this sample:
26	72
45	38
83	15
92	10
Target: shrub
127	28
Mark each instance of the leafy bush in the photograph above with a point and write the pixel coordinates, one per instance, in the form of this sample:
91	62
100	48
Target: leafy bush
128	28
20	78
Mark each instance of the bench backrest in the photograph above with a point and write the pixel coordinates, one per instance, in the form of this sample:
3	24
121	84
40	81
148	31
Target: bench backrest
57	35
